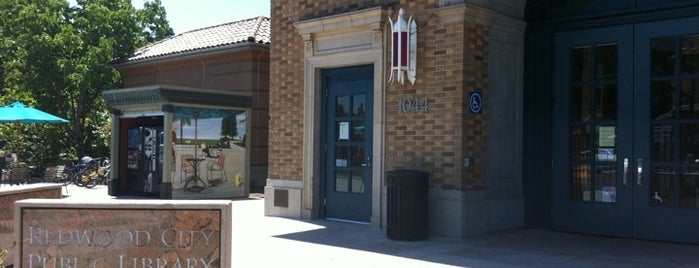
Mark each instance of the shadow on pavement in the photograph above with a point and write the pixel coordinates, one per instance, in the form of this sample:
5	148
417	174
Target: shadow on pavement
512	248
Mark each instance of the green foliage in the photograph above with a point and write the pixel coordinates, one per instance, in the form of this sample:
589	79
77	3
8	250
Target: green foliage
229	126
58	58
3	253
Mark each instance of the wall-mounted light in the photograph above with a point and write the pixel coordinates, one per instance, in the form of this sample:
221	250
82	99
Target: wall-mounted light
403	49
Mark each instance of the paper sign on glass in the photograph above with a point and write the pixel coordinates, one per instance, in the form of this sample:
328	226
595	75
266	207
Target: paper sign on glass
607	136
344	131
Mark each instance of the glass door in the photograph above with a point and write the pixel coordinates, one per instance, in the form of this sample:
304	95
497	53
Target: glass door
626	131
593	131
348	136
667	123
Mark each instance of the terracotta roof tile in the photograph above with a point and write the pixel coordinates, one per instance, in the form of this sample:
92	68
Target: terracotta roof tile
253	30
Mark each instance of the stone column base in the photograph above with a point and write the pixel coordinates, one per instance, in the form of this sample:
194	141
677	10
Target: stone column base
283	198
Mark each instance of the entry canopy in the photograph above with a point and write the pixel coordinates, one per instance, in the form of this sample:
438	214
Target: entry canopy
158	96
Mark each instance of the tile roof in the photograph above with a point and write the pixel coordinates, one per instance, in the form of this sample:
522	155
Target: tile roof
249	31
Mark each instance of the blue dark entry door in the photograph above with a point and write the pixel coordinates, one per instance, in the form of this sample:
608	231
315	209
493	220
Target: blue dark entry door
347	143
593	132
626	131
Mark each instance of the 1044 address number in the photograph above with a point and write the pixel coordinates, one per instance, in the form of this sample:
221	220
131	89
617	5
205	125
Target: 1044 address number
413	105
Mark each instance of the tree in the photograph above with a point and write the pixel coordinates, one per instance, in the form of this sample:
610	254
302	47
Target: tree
229	126
58	58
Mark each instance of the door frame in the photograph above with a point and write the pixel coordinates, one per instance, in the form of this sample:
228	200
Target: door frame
647	217
538	85
312	196
370	49
328	140
647	221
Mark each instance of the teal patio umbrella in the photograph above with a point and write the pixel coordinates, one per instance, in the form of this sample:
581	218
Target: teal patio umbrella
19	113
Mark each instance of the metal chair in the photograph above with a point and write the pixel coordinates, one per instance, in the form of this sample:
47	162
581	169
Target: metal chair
217	166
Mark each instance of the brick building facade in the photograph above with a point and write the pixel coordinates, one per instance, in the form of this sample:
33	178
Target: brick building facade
474	185
573	115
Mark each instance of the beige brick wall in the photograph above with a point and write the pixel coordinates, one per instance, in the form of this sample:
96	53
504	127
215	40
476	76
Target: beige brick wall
286	91
452	62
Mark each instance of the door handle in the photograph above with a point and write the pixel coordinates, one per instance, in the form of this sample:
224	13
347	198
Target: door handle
367	163
626	171
640	172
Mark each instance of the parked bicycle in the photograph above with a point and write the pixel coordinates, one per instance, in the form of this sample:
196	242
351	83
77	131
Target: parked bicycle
95	172
72	168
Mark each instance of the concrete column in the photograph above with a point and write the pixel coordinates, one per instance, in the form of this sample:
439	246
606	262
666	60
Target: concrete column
505	200
114	153
168	164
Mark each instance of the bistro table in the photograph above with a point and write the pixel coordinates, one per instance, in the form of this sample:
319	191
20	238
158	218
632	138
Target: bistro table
192	184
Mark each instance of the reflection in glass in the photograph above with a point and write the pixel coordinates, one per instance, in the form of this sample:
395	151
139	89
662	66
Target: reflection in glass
605	184
580	183
662	100
357	156
689	141
690	54
607	61
662	149
342	179
689	99
663	55
580	104
675	137
341	156
343	106
359	105
357	182
581	63
358	129
662	187
689	188
605	102
580	143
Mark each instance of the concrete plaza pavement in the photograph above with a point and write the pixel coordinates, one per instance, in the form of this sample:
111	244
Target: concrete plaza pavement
261	241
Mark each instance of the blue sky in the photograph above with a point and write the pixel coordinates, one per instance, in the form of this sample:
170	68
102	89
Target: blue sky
186	15
210	128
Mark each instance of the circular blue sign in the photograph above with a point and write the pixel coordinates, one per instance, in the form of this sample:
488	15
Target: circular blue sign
475	102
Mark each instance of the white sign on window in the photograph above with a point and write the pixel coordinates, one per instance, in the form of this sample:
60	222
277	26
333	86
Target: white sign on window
344	131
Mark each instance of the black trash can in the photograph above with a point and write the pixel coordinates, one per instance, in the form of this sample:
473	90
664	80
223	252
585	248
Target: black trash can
406	194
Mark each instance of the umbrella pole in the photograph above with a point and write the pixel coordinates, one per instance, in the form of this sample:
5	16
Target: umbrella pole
17	139
196	130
